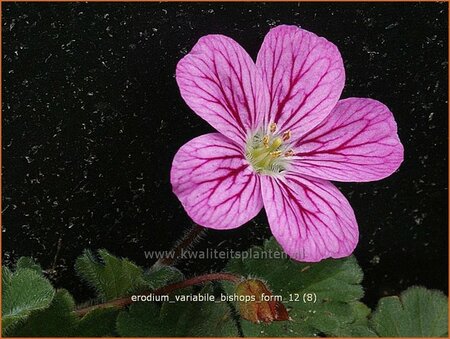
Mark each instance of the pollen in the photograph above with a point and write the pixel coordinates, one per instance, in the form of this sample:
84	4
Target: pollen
275	154
266	141
273	127
268	150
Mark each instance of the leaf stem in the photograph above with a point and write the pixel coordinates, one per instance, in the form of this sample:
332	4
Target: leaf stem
185	242
122	302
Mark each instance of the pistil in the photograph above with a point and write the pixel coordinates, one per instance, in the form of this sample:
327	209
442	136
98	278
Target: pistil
268	153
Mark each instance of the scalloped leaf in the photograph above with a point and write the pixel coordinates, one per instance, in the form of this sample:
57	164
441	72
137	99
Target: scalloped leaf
23	292
333	284
418	312
57	320
113	277
176	319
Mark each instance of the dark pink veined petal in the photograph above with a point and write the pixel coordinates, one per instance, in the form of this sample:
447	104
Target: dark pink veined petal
358	141
305	75
309	217
219	81
214	182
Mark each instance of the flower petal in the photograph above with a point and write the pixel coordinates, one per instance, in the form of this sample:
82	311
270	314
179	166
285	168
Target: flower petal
358	141
214	182
309	217
219	81
305	75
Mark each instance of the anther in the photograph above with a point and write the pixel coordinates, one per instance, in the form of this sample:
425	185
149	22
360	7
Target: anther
286	135
289	153
275	154
273	127
266	141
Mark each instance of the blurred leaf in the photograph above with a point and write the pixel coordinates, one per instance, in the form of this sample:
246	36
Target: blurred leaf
23	291
181	318
142	320
331	285
161	275
418	312
27	262
113	277
98	323
58	320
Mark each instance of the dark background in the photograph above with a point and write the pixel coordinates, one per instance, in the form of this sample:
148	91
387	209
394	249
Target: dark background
92	118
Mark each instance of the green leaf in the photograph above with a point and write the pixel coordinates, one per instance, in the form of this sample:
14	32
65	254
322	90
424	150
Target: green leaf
418	312
113	277
23	291
58	320
142	320
98	323
333	285
27	262
180	318
359	327
161	275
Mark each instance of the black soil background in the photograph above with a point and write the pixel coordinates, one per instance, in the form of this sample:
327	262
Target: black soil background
92	118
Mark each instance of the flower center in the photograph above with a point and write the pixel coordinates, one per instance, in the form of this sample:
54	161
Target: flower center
268	152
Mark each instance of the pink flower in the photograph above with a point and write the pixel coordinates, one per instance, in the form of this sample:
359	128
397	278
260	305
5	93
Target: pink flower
282	134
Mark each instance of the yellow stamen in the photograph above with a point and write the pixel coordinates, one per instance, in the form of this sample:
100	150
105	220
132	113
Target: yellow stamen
267	153
266	141
273	127
275	154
